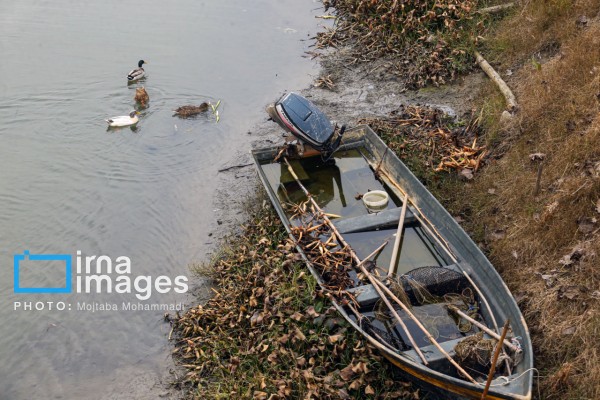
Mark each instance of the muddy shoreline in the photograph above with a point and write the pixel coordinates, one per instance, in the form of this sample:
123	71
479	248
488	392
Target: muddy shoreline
360	90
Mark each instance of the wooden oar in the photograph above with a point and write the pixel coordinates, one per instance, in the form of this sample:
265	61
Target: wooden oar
396	251
494	360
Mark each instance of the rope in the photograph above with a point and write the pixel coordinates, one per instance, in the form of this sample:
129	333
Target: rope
509	381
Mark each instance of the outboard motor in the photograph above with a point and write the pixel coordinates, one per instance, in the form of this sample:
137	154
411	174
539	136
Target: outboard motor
312	129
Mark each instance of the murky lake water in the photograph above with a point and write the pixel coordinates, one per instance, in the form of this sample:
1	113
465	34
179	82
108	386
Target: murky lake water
68	184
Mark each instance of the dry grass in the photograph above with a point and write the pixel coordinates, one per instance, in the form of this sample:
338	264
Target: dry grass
538	28
547	246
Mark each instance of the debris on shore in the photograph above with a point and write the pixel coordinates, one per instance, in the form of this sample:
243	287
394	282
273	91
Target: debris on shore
430	133
428	42
270	333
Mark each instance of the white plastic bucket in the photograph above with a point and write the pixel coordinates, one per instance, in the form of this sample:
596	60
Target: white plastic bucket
376	200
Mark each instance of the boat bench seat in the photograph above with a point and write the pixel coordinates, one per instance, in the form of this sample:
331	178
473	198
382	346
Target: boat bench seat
370	222
365	295
434	357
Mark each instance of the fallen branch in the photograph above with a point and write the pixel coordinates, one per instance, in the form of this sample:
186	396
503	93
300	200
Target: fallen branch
235	166
495	9
511	101
396	251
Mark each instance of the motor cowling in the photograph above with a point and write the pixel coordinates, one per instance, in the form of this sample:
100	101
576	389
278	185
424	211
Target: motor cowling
298	116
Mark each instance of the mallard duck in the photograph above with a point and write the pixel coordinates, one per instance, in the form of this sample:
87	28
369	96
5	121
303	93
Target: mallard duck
187	111
141	96
124	120
137	73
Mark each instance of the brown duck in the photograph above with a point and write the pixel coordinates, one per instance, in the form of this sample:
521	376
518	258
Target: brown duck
141	96
188	111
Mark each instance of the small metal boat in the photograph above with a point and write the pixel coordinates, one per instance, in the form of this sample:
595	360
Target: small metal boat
407	277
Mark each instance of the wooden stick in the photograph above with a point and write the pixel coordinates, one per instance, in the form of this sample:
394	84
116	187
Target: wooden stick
393	267
494	360
377	250
355	257
483	327
425	331
495	9
538	181
511	101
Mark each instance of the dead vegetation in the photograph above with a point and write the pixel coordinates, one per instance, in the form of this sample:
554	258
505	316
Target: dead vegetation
269	333
429	141
430	42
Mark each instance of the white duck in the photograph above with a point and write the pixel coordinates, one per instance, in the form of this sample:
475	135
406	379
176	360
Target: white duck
124	120
137	73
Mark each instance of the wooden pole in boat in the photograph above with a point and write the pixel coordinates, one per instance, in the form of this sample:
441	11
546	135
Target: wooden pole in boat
495	359
396	251
426	332
355	257
483	327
